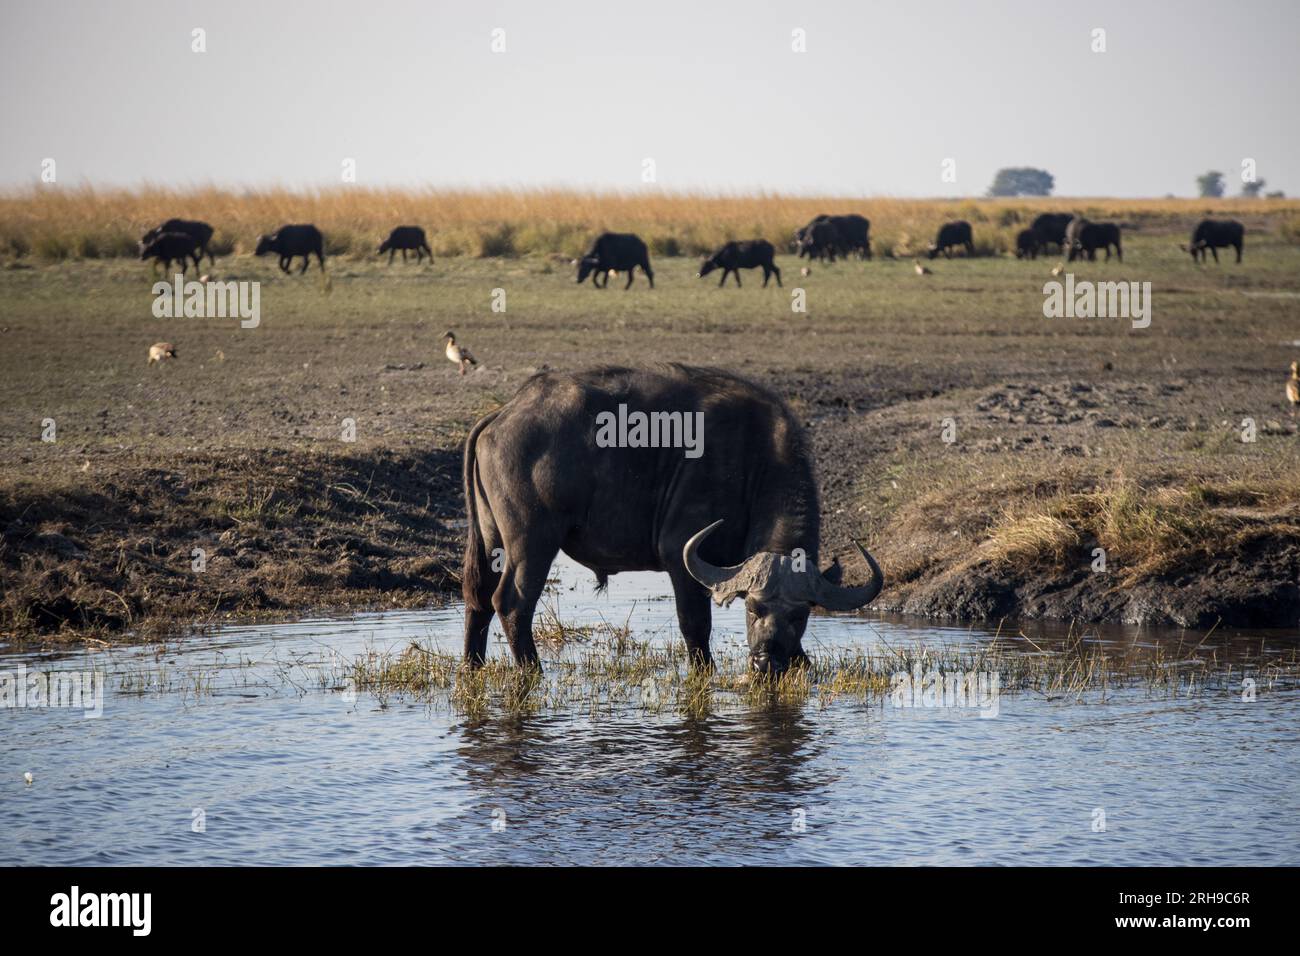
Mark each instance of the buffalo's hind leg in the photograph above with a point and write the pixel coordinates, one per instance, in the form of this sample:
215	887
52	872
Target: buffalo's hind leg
478	600
522	580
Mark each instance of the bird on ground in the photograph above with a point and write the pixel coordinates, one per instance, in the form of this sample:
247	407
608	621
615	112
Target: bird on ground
920	269
161	351
1293	387
459	354
1058	269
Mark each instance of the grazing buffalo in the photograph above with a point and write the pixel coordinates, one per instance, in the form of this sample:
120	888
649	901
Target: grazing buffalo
820	240
199	232
166	247
951	235
1050	228
1085	238
1072	232
617	251
735	256
289	242
802	234
1215	234
1028	243
733	516
837	235
406	238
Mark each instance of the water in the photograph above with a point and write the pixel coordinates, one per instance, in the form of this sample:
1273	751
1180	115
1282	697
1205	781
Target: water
287	771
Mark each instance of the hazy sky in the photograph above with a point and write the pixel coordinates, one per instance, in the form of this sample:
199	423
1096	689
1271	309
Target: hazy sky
711	91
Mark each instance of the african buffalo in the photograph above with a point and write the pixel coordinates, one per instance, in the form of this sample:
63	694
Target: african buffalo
617	251
199	232
1215	234
1028	242
953	234
820	240
167	246
801	234
735	256
1085	237
1050	228
737	516
289	242
837	235
406	238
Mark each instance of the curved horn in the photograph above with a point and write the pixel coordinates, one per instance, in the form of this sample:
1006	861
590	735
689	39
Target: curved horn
707	574
835	598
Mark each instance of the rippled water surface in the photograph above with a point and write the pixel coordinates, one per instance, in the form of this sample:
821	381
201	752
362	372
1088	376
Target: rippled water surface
248	725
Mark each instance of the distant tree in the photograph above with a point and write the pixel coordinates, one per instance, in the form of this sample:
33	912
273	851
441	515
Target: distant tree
1276	194
1022	181
1210	185
1252	190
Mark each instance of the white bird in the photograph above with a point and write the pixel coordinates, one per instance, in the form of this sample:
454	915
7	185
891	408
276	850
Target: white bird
920	269
805	272
1059	268
459	354
27	778
161	351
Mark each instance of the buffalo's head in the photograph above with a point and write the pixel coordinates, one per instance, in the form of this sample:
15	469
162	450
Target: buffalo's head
263	245
934	251
707	266
146	249
586	266
779	592
383	247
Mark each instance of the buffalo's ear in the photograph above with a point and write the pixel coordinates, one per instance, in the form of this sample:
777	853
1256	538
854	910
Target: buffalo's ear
834	574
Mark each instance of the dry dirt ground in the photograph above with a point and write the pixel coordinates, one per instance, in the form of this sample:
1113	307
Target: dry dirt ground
982	450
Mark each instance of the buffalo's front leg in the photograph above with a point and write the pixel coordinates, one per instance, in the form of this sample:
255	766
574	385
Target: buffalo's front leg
694	616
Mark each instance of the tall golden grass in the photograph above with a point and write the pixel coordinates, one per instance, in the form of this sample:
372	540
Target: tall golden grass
85	222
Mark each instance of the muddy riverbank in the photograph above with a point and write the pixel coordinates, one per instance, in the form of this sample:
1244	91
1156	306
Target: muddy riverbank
983	452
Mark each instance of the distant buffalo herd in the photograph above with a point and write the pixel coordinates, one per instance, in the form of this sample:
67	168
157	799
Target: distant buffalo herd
825	238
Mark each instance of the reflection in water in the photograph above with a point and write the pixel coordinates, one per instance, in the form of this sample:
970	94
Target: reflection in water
672	789
249	725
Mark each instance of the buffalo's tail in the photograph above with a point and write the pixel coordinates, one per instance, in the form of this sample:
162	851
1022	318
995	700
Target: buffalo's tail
474	573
